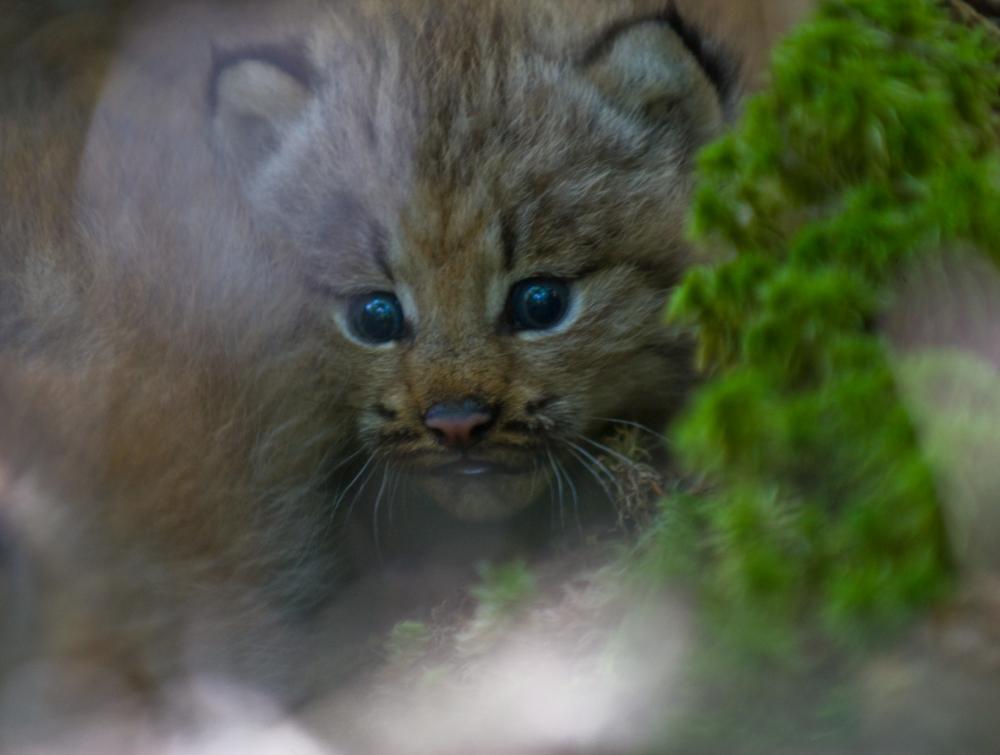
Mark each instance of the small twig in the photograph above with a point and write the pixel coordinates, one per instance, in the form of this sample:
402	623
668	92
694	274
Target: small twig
977	13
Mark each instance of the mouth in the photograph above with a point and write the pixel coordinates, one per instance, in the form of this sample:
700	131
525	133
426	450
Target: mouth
482	490
475	468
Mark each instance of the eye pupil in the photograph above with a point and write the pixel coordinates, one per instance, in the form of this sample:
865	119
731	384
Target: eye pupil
377	318
539	304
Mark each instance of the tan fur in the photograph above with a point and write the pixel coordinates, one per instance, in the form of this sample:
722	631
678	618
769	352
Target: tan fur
446	126
178	394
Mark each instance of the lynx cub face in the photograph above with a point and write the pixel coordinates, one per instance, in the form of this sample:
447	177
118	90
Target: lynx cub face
484	202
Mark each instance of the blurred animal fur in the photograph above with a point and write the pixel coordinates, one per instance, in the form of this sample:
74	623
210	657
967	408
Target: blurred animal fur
190	418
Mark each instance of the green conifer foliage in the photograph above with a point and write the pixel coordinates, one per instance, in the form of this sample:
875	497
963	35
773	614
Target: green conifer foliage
874	143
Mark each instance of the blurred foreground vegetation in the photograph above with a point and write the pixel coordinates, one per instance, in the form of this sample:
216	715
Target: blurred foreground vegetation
836	455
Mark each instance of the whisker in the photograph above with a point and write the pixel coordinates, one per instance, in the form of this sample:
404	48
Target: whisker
559	489
638	426
589	468
598	464
553	506
343	494
360	490
345	461
397	476
376	510
576	497
621	457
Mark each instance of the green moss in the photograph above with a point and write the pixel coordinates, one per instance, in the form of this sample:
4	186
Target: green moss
503	590
408	642
874	144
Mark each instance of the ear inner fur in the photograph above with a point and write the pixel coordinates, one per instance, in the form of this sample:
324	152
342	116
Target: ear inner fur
717	64
290	58
253	95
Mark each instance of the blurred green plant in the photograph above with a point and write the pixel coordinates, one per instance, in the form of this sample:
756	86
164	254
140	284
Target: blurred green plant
875	142
503	590
408	642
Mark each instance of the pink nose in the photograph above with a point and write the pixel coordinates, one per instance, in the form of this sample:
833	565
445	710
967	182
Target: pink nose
459	423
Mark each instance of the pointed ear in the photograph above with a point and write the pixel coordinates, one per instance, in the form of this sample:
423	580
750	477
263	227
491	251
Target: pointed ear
255	96
660	67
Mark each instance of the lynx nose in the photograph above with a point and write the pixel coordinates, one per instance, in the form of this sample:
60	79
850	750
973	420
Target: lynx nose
457	424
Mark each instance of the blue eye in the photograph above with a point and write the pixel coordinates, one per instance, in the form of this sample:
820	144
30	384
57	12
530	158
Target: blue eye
377	318
538	303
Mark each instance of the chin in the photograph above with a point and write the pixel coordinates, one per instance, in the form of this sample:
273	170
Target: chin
484	494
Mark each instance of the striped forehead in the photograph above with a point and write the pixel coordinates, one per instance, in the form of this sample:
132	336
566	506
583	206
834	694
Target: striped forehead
498	136
450	234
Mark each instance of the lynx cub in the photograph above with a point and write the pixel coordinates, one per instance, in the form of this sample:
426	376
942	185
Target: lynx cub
406	251
484	202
